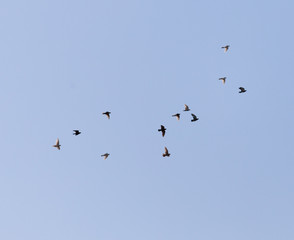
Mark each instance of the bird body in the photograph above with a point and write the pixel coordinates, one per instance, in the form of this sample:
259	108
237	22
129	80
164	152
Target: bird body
194	118
226	48
186	108
105	155
76	132
162	130
107	114
166	153
242	90
223	79
177	115
57	145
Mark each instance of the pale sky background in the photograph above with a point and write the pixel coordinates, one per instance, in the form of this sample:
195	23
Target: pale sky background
230	174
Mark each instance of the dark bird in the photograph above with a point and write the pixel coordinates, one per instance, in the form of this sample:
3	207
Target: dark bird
107	114
57	145
166	153
186	108
76	132
194	118
177	115
242	90
226	47
223	79
105	155
162	129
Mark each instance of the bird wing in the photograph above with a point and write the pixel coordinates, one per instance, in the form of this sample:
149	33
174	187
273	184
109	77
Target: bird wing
57	141
163	133
193	115
186	107
166	150
241	88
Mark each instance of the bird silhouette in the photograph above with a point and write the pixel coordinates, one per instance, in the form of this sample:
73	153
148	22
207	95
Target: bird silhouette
162	130
194	118
186	108
177	115
57	145
107	114
226	47
223	79
166	153
76	132
242	90
105	155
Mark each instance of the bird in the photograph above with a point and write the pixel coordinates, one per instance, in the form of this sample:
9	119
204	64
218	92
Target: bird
223	79
226	47
105	155
76	132
194	118
242	90
162	129
107	114
186	108
57	145
166	153
177	115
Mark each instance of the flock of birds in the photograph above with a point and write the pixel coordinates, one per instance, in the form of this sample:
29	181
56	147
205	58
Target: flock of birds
162	128
178	116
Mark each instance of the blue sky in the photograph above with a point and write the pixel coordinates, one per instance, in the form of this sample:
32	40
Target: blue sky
230	174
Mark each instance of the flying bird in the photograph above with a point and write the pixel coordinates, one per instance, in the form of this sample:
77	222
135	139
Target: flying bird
223	79
107	114
226	47
57	145
194	118
186	108
166	153
76	132
177	115
162	129
242	90
105	155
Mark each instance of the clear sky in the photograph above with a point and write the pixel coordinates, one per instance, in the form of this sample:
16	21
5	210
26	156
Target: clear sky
230	174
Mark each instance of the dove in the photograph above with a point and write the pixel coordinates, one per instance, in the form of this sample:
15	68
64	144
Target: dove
57	145
166	153
107	114
226	47
242	90
186	108
194	118
76	132
223	79
162	129
177	115
105	155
